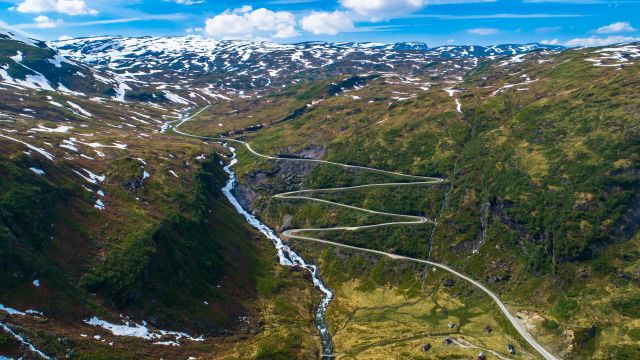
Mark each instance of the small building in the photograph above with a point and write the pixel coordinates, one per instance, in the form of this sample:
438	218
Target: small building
482	356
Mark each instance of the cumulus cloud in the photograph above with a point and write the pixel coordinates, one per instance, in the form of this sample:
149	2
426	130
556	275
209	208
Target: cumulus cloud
68	7
383	9
43	22
327	23
617	27
600	41
483	31
246	23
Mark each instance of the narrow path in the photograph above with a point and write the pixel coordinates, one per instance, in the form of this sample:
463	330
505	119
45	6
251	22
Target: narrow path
423	180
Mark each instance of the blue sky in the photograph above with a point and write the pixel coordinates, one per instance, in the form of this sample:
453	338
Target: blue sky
436	22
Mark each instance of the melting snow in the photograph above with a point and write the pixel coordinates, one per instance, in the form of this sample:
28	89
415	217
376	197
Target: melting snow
23	340
99	145
121	90
17	57
11	311
138	330
58	60
175	98
38	150
92	178
37	81
99	205
17	37
59	129
69	145
37	171
35	313
79	108
458	106
36	283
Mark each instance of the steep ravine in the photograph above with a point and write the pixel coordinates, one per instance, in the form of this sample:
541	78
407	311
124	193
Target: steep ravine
287	258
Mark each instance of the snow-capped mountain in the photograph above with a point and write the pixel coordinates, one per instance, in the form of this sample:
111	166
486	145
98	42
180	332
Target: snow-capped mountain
30	64
192	67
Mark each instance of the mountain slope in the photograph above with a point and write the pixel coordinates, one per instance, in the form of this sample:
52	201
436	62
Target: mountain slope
106	211
202	70
540	151
32	64
105	220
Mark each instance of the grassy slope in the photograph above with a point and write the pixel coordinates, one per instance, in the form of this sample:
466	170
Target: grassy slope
550	171
162	247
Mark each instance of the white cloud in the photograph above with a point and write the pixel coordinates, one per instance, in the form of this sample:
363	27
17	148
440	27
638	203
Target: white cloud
600	41
68	7
383	9
550	42
168	17
617	27
246	23
483	31
377	10
188	2
327	23
43	22
64	37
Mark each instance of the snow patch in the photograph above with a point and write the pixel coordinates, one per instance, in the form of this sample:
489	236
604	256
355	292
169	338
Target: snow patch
99	205
37	171
141	331
36	149
91	177
11	311
60	129
79	108
17	57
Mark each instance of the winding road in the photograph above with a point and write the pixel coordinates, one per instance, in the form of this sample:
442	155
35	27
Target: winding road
420	180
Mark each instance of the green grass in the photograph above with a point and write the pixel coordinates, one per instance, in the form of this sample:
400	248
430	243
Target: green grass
547	174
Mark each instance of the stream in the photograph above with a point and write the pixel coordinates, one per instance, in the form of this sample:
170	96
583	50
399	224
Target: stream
287	258
24	341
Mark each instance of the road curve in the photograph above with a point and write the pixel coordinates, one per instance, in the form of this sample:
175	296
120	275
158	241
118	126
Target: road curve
422	180
523	332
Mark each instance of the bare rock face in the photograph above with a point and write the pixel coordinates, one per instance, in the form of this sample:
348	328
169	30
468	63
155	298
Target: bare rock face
284	175
133	185
286	222
313	152
245	195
